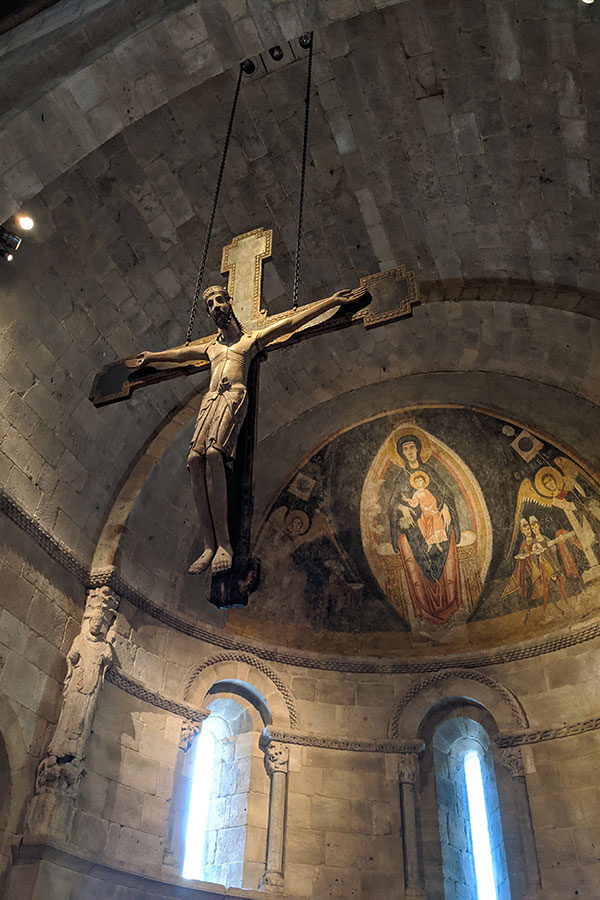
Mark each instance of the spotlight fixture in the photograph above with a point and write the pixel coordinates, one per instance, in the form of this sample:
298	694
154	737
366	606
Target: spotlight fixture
276	53
587	1
248	67
8	242
25	222
305	40
5	255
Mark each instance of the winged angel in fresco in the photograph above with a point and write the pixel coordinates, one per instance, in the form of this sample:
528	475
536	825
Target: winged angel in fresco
562	547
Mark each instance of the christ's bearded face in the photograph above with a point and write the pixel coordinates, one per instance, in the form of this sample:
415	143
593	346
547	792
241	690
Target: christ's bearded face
219	309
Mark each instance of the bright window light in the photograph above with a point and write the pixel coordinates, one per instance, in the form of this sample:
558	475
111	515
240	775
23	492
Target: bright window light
202	778
480	832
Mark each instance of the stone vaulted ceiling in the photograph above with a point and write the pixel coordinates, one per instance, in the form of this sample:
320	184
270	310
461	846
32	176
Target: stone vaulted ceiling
459	138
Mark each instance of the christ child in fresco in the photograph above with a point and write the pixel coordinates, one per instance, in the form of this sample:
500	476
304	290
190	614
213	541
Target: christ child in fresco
427	545
433	523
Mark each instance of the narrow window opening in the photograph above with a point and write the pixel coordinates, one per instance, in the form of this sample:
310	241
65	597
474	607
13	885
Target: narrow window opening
470	821
202	784
480	832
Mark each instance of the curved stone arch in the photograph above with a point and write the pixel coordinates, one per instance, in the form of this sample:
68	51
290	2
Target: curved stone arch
411	709
245	667
178	418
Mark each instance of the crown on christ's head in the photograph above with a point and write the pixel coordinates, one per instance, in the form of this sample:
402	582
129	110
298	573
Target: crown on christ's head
215	289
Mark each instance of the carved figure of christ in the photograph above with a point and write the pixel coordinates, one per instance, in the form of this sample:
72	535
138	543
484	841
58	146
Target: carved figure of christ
224	405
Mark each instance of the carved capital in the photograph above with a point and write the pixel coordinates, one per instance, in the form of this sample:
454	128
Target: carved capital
189	731
408	767
512	760
273	881
277	756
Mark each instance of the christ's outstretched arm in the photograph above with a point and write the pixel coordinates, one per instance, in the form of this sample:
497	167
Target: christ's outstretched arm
305	314
186	353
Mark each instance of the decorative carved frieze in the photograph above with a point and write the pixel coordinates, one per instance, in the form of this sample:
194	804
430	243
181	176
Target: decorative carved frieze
110	577
330	743
249	660
537	735
469	675
121	680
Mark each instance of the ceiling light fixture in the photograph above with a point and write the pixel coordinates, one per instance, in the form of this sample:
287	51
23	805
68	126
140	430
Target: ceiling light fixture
25	222
8	243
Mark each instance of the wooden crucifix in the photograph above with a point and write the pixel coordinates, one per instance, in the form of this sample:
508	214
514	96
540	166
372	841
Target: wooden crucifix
221	458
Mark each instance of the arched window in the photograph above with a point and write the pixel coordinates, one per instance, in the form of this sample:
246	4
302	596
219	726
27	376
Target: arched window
469	815
224	820
217	817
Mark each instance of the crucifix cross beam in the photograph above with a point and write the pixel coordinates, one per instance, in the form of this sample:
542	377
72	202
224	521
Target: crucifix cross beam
221	458
393	294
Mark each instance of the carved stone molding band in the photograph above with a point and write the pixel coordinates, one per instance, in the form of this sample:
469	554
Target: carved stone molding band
120	680
536	735
250	661
61	554
330	743
468	675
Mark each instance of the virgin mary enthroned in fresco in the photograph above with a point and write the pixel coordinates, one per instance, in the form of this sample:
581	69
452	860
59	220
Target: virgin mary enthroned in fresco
424	530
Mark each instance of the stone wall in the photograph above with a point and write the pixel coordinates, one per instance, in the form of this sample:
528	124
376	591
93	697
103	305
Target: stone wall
40	614
342	835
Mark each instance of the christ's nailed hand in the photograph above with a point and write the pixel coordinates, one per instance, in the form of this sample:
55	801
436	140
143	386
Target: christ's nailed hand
136	362
349	296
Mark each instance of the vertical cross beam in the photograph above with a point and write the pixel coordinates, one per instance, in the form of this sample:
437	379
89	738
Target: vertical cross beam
243	260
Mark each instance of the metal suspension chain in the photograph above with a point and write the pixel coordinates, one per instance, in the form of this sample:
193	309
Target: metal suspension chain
213	211
302	175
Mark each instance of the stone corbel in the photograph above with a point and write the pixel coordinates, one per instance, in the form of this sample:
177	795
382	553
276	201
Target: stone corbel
408	771
60	772
277	755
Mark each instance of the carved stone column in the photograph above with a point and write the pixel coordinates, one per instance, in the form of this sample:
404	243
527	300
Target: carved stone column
408	769
512	760
277	757
60	772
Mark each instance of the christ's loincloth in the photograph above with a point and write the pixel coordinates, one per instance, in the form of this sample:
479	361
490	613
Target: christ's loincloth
220	418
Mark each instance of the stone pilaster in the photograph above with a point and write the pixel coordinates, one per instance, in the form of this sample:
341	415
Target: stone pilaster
408	770
277	756
512	760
